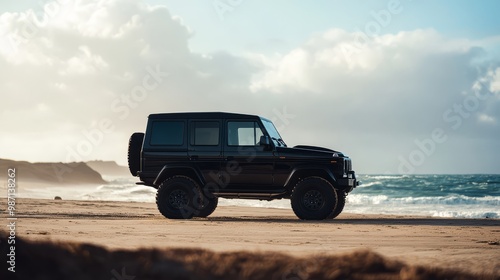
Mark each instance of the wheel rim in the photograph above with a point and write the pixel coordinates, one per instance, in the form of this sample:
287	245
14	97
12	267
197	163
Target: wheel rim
178	199
313	200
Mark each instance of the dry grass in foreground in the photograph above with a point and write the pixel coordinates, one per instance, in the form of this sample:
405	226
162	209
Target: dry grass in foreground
47	260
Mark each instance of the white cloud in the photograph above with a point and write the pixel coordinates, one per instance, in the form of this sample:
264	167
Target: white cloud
337	53
485	118
83	63
62	68
495	83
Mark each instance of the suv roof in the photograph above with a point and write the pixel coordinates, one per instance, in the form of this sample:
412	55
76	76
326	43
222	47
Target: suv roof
202	115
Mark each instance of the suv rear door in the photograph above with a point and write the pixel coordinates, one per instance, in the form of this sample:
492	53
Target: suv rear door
165	139
205	147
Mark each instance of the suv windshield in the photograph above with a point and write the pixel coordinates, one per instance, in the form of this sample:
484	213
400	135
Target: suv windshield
273	133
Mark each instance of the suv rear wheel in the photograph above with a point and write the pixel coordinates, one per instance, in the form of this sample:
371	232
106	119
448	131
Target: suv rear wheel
314	198
176	197
209	206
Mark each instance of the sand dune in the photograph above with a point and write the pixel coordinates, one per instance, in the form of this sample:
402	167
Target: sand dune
62	260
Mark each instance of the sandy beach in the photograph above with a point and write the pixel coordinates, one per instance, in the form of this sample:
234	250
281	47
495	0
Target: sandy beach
466	244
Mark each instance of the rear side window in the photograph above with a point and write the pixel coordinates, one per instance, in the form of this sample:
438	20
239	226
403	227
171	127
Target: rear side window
205	133
167	133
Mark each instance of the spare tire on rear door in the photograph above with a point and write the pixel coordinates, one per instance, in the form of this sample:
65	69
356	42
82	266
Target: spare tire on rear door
134	152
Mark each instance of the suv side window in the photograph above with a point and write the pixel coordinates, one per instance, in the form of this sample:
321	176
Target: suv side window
204	133
240	133
167	133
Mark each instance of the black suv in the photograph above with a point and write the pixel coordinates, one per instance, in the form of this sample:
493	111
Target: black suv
195	158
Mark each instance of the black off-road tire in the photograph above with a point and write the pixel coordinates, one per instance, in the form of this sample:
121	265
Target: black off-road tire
134	152
209	206
178	197
341	196
314	198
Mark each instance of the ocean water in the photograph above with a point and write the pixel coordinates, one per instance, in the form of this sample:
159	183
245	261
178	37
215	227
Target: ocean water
455	196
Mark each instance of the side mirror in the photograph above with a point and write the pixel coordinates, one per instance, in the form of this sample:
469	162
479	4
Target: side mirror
265	141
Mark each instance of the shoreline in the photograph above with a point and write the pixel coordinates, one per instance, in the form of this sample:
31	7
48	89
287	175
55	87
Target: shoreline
417	240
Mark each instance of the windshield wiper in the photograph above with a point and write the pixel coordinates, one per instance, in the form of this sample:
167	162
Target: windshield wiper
277	141
280	141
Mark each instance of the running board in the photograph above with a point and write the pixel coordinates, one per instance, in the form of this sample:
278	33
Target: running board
260	196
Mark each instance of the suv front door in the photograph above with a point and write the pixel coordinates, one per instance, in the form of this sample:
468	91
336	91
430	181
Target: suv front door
248	166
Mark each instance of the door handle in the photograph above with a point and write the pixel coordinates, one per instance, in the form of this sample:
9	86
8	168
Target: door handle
193	157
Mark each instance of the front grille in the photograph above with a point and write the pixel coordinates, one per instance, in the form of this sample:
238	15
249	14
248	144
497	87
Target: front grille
347	164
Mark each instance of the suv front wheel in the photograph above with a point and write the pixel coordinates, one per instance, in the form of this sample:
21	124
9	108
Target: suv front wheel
314	198
177	197
341	196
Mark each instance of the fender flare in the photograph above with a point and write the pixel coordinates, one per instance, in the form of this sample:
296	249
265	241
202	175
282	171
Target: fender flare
179	169
300	171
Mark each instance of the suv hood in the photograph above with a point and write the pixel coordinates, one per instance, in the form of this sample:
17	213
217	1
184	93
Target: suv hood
309	151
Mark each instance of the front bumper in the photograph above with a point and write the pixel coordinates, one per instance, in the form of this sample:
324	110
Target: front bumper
349	182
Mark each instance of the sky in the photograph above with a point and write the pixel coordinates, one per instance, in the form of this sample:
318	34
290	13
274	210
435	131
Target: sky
400	86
